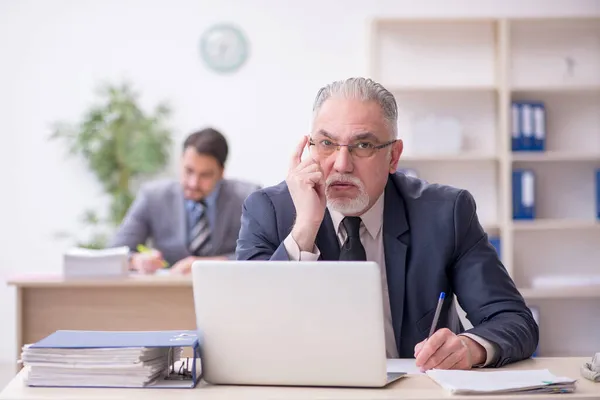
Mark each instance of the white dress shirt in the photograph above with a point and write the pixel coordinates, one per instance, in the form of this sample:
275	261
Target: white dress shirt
371	236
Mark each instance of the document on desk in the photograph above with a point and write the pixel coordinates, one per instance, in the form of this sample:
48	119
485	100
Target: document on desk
149	359
407	365
494	382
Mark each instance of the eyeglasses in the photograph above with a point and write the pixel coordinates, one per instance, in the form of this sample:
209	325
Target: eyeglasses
326	147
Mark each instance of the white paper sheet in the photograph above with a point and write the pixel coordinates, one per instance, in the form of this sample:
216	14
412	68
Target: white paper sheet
407	365
481	381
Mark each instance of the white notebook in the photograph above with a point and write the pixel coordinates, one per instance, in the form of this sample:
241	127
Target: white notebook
488	382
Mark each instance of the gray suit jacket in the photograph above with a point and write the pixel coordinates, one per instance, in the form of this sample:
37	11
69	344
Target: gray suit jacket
158	213
433	242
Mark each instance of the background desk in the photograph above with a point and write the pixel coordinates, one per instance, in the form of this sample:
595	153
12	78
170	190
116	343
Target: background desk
410	387
46	304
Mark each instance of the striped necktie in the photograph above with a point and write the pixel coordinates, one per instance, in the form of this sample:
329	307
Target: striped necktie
200	234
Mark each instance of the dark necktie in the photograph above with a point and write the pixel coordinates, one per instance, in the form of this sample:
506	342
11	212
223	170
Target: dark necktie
200	234
352	250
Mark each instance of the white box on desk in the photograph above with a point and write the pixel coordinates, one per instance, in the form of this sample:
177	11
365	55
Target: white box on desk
80	262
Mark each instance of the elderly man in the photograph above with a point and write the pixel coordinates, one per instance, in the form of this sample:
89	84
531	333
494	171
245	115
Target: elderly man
347	202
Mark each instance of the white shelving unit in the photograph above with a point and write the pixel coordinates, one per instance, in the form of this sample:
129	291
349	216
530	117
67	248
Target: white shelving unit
469	71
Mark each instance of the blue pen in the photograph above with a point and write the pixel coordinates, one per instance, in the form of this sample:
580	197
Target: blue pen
436	316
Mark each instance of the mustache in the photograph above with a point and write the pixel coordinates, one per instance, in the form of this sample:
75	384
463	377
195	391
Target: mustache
346	178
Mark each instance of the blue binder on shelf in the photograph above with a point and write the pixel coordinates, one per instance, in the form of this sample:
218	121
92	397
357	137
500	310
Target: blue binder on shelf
539	126
523	194
185	375
528	126
516	136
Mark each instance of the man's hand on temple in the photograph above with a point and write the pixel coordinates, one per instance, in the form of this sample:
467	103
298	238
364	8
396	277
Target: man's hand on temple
306	183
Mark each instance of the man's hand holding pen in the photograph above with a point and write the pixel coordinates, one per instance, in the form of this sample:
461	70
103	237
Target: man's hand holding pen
443	349
446	350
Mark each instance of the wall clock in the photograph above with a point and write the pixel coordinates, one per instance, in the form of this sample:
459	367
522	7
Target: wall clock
224	48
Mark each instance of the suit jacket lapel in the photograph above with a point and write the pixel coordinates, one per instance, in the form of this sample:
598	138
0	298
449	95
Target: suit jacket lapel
219	214
180	217
327	240
395	225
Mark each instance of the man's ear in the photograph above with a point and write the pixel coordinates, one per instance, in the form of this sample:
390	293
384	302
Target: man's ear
396	152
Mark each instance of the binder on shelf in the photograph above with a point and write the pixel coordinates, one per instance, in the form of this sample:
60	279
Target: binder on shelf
138	359
527	123
528	126
523	194
516	126
539	126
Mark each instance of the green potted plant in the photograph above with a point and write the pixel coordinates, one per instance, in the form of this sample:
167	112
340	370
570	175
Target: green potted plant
120	143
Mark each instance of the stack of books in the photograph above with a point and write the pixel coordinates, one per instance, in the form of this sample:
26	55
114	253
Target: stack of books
112	359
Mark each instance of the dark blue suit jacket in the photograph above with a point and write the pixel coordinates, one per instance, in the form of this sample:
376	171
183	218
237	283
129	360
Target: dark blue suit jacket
433	242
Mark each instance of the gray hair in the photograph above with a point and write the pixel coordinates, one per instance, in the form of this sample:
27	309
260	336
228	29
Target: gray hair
363	89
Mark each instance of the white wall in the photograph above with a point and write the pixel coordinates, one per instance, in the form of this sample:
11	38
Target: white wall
53	53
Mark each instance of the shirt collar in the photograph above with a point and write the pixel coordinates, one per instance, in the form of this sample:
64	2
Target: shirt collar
372	218
209	200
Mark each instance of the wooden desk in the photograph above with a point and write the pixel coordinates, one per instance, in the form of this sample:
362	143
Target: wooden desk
410	387
48	303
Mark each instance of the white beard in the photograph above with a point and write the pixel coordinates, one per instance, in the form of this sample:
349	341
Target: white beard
347	206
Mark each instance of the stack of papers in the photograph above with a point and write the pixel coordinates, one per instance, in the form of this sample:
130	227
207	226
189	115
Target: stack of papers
80	262
495	382
109	367
112	359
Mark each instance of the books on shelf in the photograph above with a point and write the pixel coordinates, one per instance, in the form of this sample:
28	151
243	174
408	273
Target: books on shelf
113	359
528	126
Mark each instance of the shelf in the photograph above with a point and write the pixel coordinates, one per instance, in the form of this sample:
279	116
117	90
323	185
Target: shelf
555	55
572	120
564	192
474	112
556	89
555	224
490	226
466	157
446	73
435	54
566	292
549	156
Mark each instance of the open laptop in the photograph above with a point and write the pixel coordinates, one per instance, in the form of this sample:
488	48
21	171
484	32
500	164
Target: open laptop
291	323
